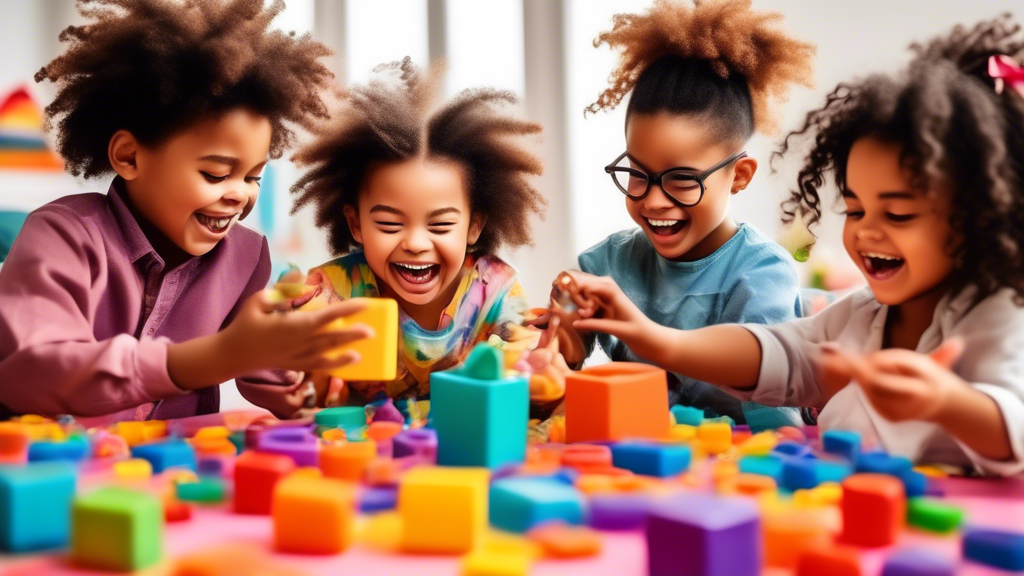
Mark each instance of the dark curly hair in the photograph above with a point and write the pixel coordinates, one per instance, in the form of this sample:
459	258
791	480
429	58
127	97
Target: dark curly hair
155	67
391	120
953	128
719	60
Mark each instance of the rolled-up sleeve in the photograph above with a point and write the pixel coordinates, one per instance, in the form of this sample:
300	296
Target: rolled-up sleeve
50	361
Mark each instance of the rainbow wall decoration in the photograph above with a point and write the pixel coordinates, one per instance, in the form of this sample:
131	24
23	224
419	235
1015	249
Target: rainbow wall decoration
22	146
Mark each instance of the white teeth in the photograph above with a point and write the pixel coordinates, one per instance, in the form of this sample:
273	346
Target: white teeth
214	223
879	256
223	222
662	222
415	266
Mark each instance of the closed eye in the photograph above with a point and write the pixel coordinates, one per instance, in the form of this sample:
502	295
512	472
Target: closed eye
855	214
900	217
213	179
255	179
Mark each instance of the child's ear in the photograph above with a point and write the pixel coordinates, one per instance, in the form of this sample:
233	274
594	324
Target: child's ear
476	226
122	152
743	171
352	216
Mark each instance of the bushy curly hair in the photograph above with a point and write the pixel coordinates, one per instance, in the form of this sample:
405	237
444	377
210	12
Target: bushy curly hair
391	119
154	67
717	59
954	129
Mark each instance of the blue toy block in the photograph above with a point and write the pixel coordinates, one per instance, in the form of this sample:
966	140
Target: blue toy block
651	459
377	499
793	449
518	504
994	548
165	454
702	535
479	415
915	483
917	562
688	415
843	443
882	463
798	473
73	449
763	465
827	471
35	506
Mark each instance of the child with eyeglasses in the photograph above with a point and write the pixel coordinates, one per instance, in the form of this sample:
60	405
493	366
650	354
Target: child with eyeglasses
693	107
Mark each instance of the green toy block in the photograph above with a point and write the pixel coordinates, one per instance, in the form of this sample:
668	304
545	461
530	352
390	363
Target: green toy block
933	515
479	415
341	417
688	415
117	529
35	506
206	490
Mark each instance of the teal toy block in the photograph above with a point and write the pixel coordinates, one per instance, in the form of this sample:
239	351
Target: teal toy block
117	529
520	503
688	415
341	417
72	449
763	465
165	454
651	459
843	443
480	416
35	506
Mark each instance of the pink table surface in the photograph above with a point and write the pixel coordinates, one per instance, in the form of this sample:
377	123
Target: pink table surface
991	503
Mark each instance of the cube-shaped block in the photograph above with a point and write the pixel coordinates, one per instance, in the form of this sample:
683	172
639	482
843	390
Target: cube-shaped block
378	356
651	459
882	463
341	417
829	561
994	548
443	509
715	437
618	511
480	416
496	563
616	401
790	532
933	515
256	474
72	449
165	454
313	515
14	441
874	509
687	415
917	562
348	460
802	473
35	506
206	490
700	535
763	465
843	443
117	529
518	504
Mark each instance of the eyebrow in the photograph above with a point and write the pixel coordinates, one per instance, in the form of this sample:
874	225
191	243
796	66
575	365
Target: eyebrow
440	211
893	195
229	160
387	209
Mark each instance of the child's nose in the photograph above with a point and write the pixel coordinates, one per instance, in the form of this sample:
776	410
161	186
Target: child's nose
869	232
416	241
657	199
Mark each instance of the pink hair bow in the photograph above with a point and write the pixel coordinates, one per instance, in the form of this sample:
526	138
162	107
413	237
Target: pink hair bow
1006	72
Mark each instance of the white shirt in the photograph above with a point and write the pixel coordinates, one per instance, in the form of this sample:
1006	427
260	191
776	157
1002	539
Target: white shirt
992	362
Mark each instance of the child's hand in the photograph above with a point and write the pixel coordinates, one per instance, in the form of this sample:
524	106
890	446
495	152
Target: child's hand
262	337
331	391
610	311
900	384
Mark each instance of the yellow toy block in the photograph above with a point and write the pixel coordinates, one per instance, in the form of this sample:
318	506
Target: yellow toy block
212	432
682	432
133	469
444	510
487	563
153	429
313	515
715	437
760	444
378	355
133	432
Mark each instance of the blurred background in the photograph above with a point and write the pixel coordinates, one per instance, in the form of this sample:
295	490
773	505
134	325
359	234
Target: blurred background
540	49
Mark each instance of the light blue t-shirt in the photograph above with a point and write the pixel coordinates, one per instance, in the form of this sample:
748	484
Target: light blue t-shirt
749	279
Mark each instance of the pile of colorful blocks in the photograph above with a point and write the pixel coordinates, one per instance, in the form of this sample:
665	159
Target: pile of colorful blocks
710	497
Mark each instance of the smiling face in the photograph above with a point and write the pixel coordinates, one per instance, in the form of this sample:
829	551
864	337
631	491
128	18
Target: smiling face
898	236
195	186
656	142
414	224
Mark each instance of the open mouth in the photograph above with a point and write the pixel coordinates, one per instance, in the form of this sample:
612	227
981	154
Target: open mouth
215	225
881	266
416	273
666	227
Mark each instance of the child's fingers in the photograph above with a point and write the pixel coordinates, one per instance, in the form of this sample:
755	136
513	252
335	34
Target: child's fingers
335	390
338	338
948	353
334	311
269	301
617	328
322	363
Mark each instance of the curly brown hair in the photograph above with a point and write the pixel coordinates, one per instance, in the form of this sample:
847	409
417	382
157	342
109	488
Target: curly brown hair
155	67
718	57
953	128
391	120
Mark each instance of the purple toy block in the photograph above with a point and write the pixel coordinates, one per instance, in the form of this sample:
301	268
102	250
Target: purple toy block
618	511
703	535
298	443
418	442
917	562
377	499
387	412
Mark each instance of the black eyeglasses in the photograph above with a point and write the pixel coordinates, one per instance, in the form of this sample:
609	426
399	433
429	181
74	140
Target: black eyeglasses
682	185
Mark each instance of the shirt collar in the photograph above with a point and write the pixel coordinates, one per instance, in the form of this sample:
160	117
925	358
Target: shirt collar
135	240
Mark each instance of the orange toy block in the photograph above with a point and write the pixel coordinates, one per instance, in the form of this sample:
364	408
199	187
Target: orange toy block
444	510
789	532
13	443
751	484
616	401
829	561
874	509
378	356
560	540
348	460
231	560
313	515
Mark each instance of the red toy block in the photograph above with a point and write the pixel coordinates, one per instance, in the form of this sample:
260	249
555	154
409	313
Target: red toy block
586	456
14	441
616	401
874	509
831	561
176	511
256	474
